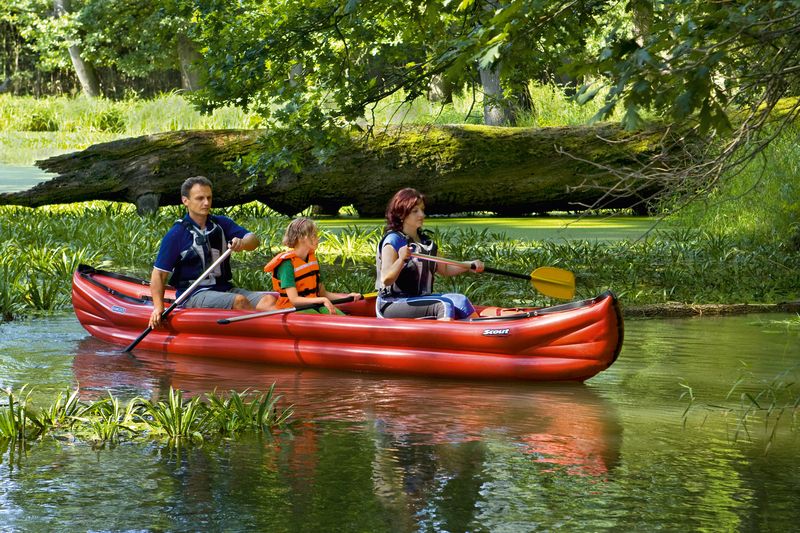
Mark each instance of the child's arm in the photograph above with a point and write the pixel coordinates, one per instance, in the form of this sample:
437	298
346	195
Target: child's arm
296	299
336	295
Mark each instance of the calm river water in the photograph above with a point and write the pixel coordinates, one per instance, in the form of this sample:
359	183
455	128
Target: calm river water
18	178
381	453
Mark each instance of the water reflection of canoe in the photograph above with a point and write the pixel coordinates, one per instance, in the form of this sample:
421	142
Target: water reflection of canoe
567	426
574	341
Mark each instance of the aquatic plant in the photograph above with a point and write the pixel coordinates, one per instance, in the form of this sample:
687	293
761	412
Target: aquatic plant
772	404
776	399
195	419
12	301
15	424
106	419
234	414
63	411
176	420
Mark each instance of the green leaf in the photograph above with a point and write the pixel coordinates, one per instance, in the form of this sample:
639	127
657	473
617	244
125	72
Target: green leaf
490	56
464	5
631	120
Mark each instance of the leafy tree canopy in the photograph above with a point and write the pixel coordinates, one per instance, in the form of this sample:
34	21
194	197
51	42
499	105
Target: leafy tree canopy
701	60
135	37
727	73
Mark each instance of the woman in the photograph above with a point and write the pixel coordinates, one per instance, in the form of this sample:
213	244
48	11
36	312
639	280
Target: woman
405	283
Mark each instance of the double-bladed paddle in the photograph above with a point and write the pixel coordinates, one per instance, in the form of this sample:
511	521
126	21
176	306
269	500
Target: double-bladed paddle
550	281
290	309
182	297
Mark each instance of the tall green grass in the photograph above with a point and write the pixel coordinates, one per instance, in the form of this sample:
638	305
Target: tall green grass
33	129
762	201
551	107
167	112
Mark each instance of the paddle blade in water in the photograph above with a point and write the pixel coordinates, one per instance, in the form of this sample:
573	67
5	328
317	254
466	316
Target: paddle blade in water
555	282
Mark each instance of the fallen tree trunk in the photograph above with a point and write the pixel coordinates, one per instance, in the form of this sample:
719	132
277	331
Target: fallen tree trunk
682	310
508	171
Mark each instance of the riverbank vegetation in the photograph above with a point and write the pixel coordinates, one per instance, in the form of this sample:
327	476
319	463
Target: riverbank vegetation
736	245
37	128
175	420
43	247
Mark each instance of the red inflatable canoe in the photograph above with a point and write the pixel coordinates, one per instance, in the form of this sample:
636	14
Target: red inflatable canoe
573	341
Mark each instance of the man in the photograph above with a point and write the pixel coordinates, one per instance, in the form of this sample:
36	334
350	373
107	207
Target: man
191	246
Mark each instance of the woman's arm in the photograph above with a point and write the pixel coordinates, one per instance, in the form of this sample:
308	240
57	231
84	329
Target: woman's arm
392	263
455	270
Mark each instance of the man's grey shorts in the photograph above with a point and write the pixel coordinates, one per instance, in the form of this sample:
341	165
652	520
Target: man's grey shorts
221	300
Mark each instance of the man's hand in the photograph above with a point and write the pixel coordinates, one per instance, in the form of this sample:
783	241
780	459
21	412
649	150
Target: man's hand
158	279
155	316
248	243
236	244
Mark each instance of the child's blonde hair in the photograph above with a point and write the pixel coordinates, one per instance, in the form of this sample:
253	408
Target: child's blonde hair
297	229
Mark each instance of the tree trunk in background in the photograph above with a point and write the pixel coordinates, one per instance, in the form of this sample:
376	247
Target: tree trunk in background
642	12
440	90
495	110
85	70
189	58
508	171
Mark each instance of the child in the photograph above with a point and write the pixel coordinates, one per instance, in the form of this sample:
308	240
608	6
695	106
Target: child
295	273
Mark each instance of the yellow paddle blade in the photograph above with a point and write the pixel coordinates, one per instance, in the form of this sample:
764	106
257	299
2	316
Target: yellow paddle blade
369	295
554	282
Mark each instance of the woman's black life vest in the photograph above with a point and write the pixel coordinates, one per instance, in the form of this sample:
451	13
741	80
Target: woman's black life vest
416	278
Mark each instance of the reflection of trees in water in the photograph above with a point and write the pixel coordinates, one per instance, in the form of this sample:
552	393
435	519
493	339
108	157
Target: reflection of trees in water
410	451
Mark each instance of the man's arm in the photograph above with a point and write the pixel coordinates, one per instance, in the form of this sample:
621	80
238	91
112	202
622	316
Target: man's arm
158	280
247	243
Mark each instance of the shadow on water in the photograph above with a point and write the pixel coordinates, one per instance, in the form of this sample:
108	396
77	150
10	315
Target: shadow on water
568	426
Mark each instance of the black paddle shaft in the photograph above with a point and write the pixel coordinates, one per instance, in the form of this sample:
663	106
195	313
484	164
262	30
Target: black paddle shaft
144	334
506	273
286	311
181	298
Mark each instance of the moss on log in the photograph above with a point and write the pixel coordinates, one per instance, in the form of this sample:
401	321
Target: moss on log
509	171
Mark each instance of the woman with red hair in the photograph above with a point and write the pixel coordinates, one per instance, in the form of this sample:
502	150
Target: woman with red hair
405	283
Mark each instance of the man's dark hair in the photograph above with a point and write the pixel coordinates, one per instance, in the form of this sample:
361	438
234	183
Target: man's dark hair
191	182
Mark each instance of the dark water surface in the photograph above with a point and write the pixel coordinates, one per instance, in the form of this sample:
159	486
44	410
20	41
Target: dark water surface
382	453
